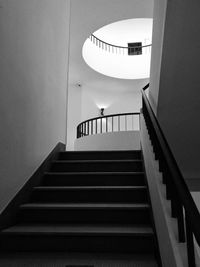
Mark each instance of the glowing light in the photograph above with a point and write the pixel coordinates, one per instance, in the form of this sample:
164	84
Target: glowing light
102	105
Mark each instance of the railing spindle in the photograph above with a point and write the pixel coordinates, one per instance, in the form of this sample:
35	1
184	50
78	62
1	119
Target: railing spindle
106	124
132	123
92	127
112	123
190	243
180	218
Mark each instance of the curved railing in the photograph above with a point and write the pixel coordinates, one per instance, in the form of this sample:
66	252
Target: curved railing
109	123
182	204
124	50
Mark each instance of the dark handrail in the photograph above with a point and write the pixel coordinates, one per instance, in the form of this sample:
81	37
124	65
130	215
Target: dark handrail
176	187
87	127
111	115
146	86
117	46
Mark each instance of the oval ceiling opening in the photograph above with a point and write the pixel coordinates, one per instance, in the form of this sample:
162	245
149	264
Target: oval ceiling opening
107	52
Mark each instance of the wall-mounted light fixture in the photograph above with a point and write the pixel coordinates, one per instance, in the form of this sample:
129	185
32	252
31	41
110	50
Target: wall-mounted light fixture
79	85
102	111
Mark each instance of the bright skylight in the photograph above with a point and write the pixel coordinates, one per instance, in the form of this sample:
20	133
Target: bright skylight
121	65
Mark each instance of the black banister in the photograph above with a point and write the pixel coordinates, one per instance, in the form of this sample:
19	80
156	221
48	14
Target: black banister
111	47
82	130
177	190
146	86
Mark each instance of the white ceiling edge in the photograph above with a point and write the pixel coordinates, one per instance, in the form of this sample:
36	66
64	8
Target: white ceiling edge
127	31
120	65
88	16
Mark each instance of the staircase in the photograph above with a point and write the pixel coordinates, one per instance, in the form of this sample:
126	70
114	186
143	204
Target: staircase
88	202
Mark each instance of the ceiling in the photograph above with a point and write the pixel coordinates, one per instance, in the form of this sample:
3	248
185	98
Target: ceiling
87	16
116	62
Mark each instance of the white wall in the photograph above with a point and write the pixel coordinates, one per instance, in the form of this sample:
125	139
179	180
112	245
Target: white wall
125	140
33	82
156	52
179	96
73	113
116	96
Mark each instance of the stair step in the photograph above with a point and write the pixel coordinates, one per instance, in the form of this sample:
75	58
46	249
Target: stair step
84	238
91	194
96	165
122	154
79	229
85	212
89	201
83	206
82	188
93	178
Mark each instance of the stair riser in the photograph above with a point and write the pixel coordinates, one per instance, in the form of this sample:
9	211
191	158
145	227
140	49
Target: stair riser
136	244
43	227
100	155
104	166
90	196
87	180
140	216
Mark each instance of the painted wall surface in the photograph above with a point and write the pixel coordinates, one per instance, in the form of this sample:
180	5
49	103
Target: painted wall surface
33	83
179	97
73	114
114	97
129	140
157	46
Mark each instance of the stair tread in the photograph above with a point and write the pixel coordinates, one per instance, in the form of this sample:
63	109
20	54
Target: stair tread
96	160
95	173
79	229
100	151
51	188
84	206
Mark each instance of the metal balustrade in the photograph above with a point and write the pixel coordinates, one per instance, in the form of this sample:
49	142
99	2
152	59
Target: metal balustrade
116	49
109	123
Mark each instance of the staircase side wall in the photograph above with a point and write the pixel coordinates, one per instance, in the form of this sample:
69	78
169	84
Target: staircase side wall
33	82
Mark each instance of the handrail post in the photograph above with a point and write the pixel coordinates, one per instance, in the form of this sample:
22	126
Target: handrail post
88	128
112	123
190	243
